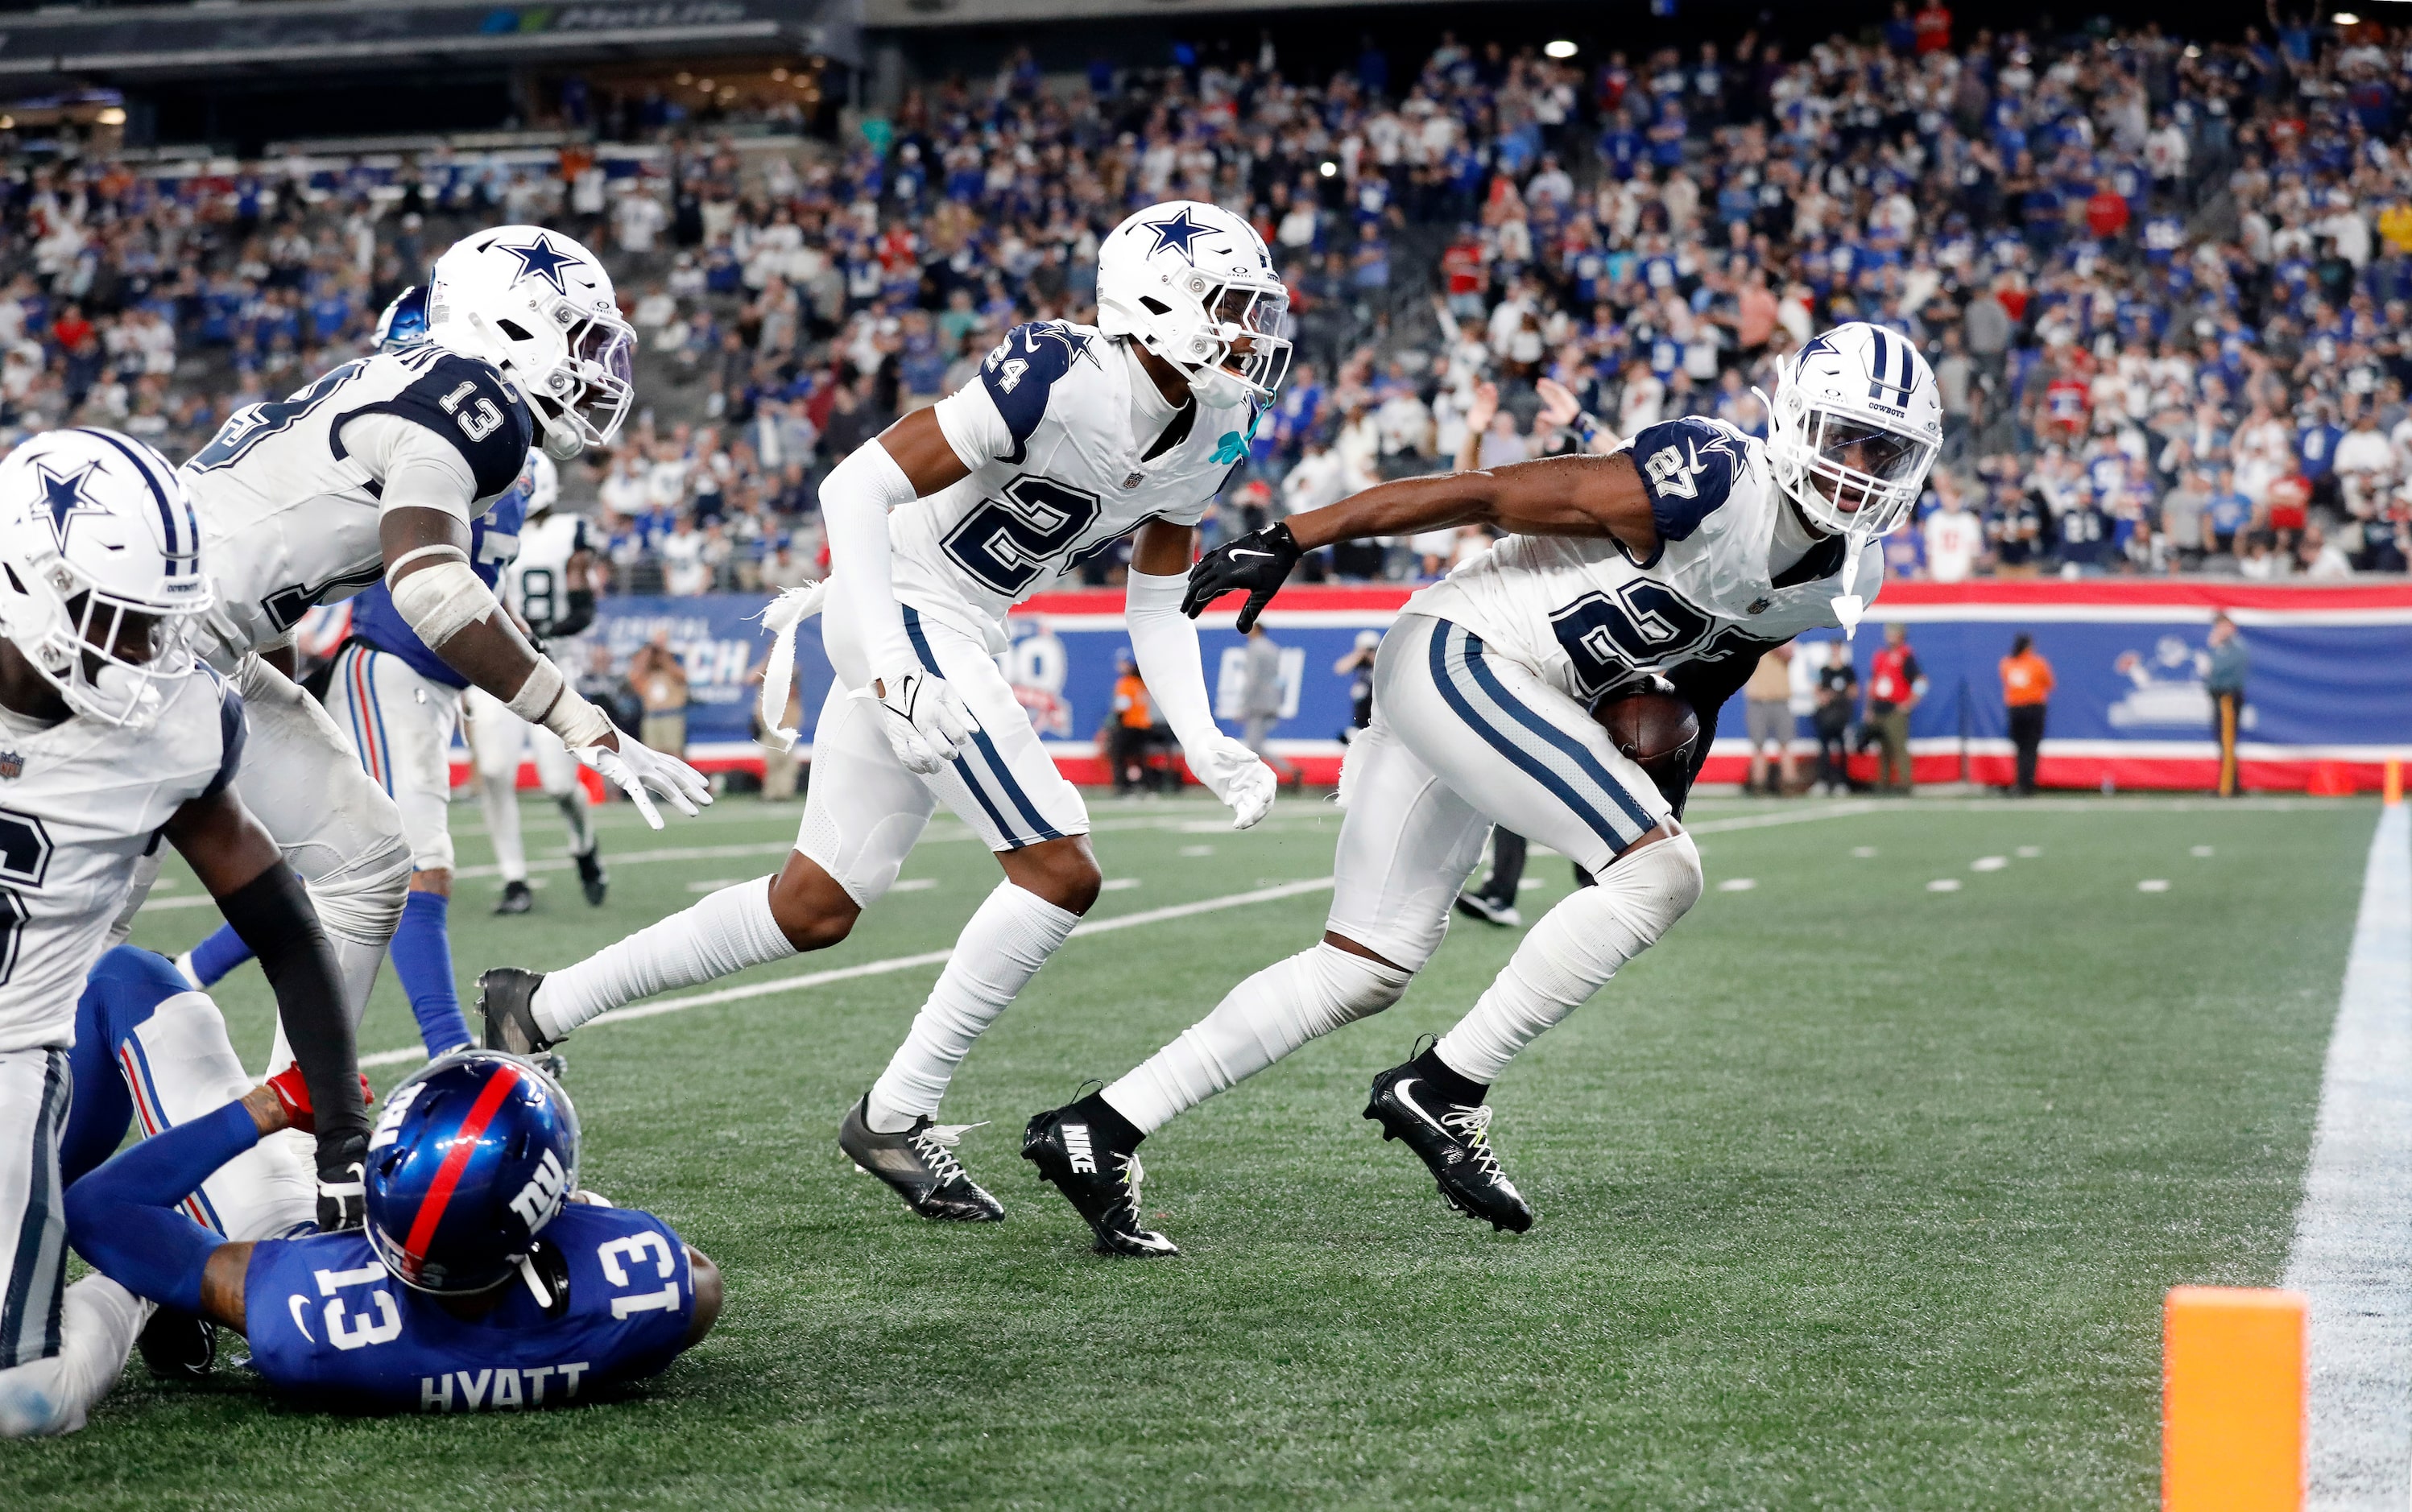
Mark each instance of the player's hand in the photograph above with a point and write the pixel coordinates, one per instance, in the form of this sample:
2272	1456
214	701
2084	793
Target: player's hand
1232	773
637	766
926	724
294	1098
1559	405
343	1187
1258	563
1482	407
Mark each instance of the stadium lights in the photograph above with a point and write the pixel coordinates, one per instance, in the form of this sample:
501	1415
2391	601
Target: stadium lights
2345	18
113	116
685	79
779	75
1560	49
1330	170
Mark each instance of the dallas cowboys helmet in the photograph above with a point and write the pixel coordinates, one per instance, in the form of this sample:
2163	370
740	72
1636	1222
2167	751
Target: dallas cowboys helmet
101	584
1194	284
539	307
403	325
1854	428
469	1160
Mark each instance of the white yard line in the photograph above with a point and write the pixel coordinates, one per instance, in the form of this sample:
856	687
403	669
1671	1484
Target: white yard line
2353	1235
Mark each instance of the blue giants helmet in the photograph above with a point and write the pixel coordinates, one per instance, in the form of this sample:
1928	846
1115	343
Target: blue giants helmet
471	1159
404	321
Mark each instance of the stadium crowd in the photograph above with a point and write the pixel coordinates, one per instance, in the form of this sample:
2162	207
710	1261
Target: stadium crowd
2164	283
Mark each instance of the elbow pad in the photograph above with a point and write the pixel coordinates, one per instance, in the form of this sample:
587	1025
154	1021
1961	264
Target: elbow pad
440	601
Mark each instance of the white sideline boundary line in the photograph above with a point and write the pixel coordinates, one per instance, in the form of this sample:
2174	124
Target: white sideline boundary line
1087	927
2352	1252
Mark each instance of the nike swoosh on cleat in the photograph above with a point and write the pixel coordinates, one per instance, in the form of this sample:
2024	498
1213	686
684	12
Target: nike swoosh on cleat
1399	1090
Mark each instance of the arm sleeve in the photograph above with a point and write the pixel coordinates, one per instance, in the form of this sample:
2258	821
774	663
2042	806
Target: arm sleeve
415	467
1706	687
1164	642
856	498
124	1220
272	916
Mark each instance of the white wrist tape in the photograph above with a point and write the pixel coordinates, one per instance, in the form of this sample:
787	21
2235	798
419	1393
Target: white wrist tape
441	601
534	699
577	722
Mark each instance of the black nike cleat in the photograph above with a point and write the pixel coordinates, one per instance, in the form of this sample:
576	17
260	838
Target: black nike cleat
1099	1181
1488	910
592	880
177	1346
505	1000
919	1164
1454	1140
516	899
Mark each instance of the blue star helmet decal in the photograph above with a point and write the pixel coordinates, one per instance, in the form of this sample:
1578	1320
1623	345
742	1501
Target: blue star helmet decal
1177	233
1823	342
66	498
541	259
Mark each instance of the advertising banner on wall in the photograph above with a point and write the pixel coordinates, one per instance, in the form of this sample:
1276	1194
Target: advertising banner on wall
2329	697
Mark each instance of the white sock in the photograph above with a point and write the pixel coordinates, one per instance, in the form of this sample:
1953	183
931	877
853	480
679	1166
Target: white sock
1258	1022
727	931
1002	946
98	1322
498	797
576	818
1572	952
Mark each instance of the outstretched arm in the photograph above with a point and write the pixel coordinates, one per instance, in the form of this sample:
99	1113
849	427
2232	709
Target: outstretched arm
1165	645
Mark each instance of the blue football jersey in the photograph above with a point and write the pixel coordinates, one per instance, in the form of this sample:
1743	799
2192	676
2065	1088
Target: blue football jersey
493	541
327	1322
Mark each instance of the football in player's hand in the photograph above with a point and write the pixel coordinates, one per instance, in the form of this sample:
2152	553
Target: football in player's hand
1658	730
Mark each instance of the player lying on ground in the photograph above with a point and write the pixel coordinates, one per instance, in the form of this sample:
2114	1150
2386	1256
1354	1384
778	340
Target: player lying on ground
1691	551
399	703
377	472
111	739
484	1279
1071	437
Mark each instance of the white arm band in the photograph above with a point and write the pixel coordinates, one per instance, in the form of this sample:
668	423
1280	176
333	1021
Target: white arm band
1164	642
855	500
441	601
534	701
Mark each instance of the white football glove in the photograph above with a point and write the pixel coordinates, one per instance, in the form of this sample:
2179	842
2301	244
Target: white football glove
925	723
636	766
1232	773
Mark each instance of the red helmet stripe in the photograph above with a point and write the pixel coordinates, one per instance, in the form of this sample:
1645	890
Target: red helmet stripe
448	1176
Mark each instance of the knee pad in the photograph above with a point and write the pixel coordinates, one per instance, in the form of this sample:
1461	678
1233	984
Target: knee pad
1342	987
361	900
1630	907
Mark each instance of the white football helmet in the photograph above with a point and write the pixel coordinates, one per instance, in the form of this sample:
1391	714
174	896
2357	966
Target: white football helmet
1854	428
541	478
539	307
101	584
1194	284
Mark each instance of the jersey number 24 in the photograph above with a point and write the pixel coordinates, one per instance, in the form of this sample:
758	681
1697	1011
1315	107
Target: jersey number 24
1007	542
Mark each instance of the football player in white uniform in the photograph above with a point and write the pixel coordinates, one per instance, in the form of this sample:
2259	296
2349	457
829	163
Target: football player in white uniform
551	586
1070	437
112	739
1688	552
377	471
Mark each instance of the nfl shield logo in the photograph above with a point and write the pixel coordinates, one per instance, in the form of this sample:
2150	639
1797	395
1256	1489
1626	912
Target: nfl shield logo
1134	481
12	765
1759	606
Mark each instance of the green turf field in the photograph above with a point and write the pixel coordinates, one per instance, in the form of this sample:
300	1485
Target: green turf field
1851	1193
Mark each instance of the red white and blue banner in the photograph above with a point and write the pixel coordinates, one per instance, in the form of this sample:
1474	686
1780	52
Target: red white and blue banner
2328	702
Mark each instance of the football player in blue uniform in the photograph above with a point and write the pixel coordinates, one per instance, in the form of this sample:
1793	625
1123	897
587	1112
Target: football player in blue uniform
484	1280
400	703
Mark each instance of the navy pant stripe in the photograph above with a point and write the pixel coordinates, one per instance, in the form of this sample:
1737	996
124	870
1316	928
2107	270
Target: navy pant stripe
1506	744
33	1270
1588	763
988	749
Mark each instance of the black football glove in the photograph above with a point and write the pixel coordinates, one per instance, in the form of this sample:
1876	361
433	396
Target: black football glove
1258	563
343	1187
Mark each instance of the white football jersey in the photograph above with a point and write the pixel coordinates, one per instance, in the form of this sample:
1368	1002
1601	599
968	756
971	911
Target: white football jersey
289	518
536	585
1582	612
1061	475
79	803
